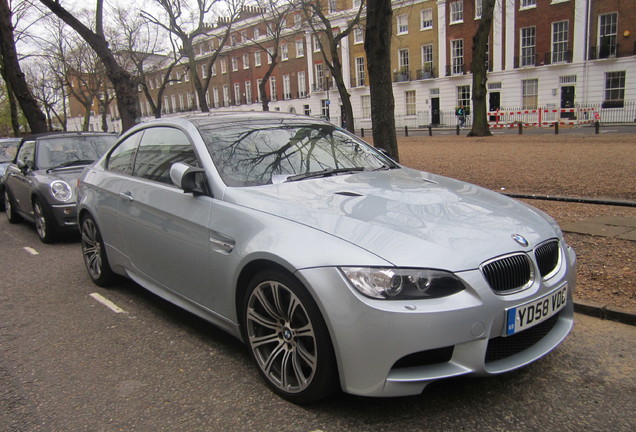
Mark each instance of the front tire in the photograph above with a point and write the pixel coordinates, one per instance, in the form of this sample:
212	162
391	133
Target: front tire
288	339
94	253
43	222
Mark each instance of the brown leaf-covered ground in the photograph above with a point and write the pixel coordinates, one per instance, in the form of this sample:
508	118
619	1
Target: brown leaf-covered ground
596	166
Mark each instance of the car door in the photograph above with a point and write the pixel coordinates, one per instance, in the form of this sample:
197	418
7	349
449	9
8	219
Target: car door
165	231
20	181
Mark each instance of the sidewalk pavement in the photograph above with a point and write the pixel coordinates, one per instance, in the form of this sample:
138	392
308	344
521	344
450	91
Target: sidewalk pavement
606	226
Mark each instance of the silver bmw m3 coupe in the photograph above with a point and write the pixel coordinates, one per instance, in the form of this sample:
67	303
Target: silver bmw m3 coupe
338	268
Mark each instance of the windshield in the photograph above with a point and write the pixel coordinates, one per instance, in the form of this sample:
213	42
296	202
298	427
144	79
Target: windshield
8	149
250	154
72	150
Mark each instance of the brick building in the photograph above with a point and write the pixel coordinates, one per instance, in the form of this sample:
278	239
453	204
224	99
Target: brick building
553	54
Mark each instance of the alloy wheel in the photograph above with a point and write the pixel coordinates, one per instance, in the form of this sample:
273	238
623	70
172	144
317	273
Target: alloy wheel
91	248
281	337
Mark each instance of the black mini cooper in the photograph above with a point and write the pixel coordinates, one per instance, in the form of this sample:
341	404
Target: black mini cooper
39	185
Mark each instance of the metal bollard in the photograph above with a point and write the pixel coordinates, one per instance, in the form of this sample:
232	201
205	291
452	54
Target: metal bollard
556	128
406	131
430	130
520	128
362	132
597	127
457	129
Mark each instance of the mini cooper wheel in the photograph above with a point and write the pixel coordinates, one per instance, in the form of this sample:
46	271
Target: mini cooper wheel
288	339
43	222
94	253
9	208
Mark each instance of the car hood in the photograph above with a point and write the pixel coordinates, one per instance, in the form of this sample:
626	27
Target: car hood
407	217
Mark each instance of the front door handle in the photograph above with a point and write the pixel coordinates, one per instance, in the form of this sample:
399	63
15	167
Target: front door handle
126	196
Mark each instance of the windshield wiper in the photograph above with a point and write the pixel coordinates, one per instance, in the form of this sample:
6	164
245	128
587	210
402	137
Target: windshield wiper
324	173
72	163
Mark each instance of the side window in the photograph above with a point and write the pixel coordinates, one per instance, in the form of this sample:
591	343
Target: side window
160	148
122	157
27	154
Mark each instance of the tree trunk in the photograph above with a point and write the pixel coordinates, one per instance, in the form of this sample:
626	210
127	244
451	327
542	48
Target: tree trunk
123	83
13	107
13	75
480	72
377	45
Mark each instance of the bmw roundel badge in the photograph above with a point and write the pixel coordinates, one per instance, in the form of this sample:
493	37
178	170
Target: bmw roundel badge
520	239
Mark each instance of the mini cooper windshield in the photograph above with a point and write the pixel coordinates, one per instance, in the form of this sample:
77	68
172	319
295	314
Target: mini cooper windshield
252	154
60	152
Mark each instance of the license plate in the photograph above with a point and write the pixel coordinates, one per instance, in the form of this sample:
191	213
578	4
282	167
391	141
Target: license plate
530	314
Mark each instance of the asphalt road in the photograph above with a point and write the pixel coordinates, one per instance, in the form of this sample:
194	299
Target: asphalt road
69	363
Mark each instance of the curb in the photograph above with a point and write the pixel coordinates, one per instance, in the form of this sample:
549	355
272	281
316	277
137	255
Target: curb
605	312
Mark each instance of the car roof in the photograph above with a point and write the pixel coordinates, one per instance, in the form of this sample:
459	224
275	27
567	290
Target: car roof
225	117
64	134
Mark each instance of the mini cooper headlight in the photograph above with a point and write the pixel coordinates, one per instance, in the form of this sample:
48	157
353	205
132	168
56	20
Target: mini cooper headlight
402	284
61	190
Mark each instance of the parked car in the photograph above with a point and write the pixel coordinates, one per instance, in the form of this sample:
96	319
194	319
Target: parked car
39	184
338	267
8	147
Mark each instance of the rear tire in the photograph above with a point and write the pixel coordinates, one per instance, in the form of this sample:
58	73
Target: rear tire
94	253
9	208
288	339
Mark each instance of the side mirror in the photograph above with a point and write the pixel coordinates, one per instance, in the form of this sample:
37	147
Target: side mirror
190	179
22	165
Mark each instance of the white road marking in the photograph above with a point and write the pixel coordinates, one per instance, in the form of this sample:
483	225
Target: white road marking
109	304
31	251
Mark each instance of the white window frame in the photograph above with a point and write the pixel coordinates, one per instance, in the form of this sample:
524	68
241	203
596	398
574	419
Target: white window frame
257	59
360	72
402	24
456	12
248	92
223	66
478	9
410	103
302	84
457	57
365	103
530	94
614	88
300	48
527	46
358	35
560	42
426	19
226	95
286	87
272	89
527	4
246	61
235	66
237	93
284	52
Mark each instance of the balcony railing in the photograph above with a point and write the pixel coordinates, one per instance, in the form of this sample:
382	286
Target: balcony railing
426	73
402	76
605	51
557	57
528	60
456	69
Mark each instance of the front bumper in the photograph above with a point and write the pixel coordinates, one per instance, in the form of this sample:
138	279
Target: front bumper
65	216
396	348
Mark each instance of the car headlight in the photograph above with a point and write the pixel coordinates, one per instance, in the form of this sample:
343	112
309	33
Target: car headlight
402	284
61	190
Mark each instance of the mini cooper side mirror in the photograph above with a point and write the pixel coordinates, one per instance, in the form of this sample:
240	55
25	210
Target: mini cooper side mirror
190	179
22	165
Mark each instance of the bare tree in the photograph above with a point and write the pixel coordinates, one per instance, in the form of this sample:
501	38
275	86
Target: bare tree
329	43
274	17
13	75
143	44
377	45
480	72
124	84
49	92
188	23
